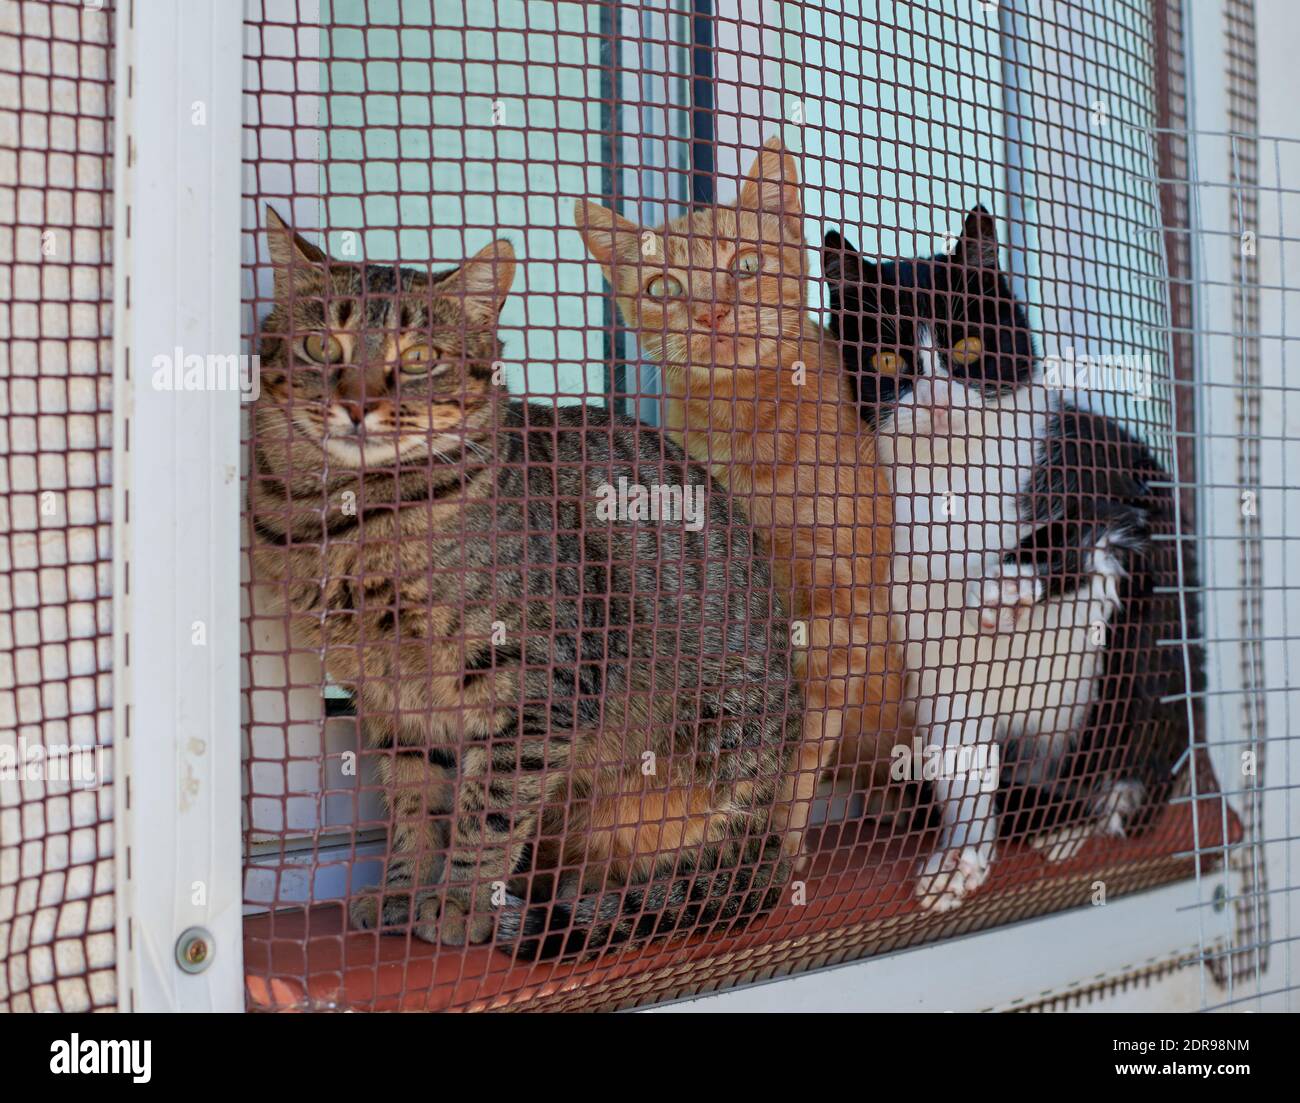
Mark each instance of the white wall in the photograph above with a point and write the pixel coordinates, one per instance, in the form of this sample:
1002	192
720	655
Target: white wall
1279	278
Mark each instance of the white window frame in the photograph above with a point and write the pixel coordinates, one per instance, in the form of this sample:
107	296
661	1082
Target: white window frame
176	504
177	511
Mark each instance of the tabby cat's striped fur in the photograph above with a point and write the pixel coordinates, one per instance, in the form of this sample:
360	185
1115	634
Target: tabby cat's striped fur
584	721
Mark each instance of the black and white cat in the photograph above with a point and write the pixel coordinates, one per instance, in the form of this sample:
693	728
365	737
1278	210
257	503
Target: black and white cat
1033	591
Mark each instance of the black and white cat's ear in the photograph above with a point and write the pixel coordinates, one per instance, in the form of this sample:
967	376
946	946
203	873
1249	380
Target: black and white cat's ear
607	233
293	257
481	284
772	183
978	244
841	260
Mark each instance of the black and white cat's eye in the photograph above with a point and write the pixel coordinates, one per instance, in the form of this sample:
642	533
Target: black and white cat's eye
967	351
323	348
886	363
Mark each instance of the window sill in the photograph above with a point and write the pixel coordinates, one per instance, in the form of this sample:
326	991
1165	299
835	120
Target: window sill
859	903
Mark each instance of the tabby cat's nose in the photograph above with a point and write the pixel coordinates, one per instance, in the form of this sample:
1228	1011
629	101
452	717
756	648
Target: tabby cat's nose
356	412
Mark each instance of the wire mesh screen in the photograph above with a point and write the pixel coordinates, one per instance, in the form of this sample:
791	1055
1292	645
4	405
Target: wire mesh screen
713	501
56	802
1240	182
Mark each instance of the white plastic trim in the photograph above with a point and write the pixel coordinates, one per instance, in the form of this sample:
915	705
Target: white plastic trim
176	502
992	970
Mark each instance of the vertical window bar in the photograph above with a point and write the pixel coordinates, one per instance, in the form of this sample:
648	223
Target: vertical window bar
611	68
703	161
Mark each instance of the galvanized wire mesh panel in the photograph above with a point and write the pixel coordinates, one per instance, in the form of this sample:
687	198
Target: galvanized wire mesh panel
56	803
1240	187
822	589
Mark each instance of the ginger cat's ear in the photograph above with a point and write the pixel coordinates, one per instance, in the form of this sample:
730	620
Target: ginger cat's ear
292	255
482	283
772	183
606	233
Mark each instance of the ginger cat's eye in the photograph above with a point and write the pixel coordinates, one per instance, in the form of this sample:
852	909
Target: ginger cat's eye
323	348
748	264
968	350
664	287
886	363
419	358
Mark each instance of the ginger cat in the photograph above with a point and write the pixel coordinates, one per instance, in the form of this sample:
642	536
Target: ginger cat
756	392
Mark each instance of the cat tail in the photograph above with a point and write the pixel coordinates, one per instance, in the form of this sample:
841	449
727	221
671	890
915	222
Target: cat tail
1028	812
1106	786
1125	763
738	882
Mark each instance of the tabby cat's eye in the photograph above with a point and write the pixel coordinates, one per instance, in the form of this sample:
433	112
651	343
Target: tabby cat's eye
664	287
886	363
418	358
323	348
968	350
748	264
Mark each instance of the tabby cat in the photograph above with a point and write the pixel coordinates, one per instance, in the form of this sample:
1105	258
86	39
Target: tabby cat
583	719
717	297
1036	564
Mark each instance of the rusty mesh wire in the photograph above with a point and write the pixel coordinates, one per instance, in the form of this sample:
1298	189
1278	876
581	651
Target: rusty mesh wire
56	802
504	750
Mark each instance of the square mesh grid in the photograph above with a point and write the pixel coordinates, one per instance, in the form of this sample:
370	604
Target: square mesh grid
56	799
921	338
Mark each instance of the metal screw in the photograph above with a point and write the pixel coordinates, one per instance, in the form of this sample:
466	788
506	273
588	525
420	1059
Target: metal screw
195	949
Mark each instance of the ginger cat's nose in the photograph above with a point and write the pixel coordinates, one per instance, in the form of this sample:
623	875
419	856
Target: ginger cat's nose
710	316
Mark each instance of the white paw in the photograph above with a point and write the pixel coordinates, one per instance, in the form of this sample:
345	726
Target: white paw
948	876
1120	801
1005	599
1064	844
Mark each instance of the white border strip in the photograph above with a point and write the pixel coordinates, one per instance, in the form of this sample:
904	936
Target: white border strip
176	502
1278	80
993	970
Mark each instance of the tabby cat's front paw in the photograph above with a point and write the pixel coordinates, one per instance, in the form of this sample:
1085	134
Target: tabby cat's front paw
446	921
364	913
1005	599
949	876
367	915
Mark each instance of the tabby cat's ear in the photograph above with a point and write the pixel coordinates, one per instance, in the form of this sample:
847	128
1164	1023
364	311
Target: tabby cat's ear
295	261
481	284
607	232
978	244
292	255
772	183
